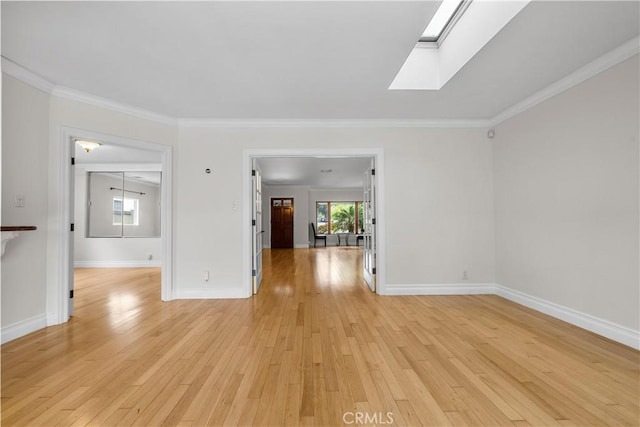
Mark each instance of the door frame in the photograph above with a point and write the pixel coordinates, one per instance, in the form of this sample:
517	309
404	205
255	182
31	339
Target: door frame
60	312
248	155
256	229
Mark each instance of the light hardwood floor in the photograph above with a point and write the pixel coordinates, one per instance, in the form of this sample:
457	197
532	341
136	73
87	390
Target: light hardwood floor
315	347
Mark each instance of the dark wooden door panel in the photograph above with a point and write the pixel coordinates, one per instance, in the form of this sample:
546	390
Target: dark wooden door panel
282	223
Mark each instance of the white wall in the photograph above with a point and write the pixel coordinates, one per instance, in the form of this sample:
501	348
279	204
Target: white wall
566	203
439	204
300	196
78	115
31	166
566	198
25	149
117	252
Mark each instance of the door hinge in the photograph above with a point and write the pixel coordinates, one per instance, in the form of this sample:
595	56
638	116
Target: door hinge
253	222
253	172
71	294
374	270
373	221
73	227
253	273
373	171
73	161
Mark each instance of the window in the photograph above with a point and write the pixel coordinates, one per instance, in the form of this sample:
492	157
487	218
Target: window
339	217
125	211
443	20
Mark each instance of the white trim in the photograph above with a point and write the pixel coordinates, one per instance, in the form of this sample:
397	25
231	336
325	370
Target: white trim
121	167
605	328
166	224
446	289
333	123
29	77
23	327
249	154
231	292
119	107
301	246
62	310
619	333
18	72
608	60
616	56
118	264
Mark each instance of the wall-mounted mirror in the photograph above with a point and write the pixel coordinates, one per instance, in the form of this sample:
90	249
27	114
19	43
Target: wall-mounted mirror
123	204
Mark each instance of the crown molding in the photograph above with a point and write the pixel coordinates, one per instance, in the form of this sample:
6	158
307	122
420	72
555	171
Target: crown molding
18	72
96	101
606	61
332	123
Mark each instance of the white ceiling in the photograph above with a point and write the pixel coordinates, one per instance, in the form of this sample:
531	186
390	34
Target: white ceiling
298	60
307	171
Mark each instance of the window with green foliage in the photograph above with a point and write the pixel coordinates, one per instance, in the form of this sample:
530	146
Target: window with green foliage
339	217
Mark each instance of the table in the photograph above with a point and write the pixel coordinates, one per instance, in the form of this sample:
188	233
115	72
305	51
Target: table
343	236
346	236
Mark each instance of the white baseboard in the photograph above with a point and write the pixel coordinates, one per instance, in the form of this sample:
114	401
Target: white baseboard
435	289
117	264
619	333
209	293
24	327
52	320
613	331
605	328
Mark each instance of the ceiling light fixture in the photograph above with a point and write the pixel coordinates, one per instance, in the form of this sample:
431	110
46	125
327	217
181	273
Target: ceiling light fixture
325	170
88	146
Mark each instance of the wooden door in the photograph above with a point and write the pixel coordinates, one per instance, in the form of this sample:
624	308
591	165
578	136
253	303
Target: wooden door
282	223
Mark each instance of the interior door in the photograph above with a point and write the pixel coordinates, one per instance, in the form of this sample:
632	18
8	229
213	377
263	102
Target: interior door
282	223
257	228
72	188
369	213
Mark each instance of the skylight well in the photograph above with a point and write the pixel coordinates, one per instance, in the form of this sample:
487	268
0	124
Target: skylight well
457	31
443	20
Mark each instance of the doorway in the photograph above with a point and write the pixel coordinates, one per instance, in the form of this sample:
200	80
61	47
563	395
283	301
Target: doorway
282	223
64	303
377	240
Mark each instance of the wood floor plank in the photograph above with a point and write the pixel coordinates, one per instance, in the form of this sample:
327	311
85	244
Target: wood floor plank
313	347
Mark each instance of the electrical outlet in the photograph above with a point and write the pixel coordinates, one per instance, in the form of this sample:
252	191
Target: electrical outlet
205	275
465	275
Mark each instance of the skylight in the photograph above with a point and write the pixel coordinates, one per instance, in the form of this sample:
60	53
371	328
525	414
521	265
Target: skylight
444	17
